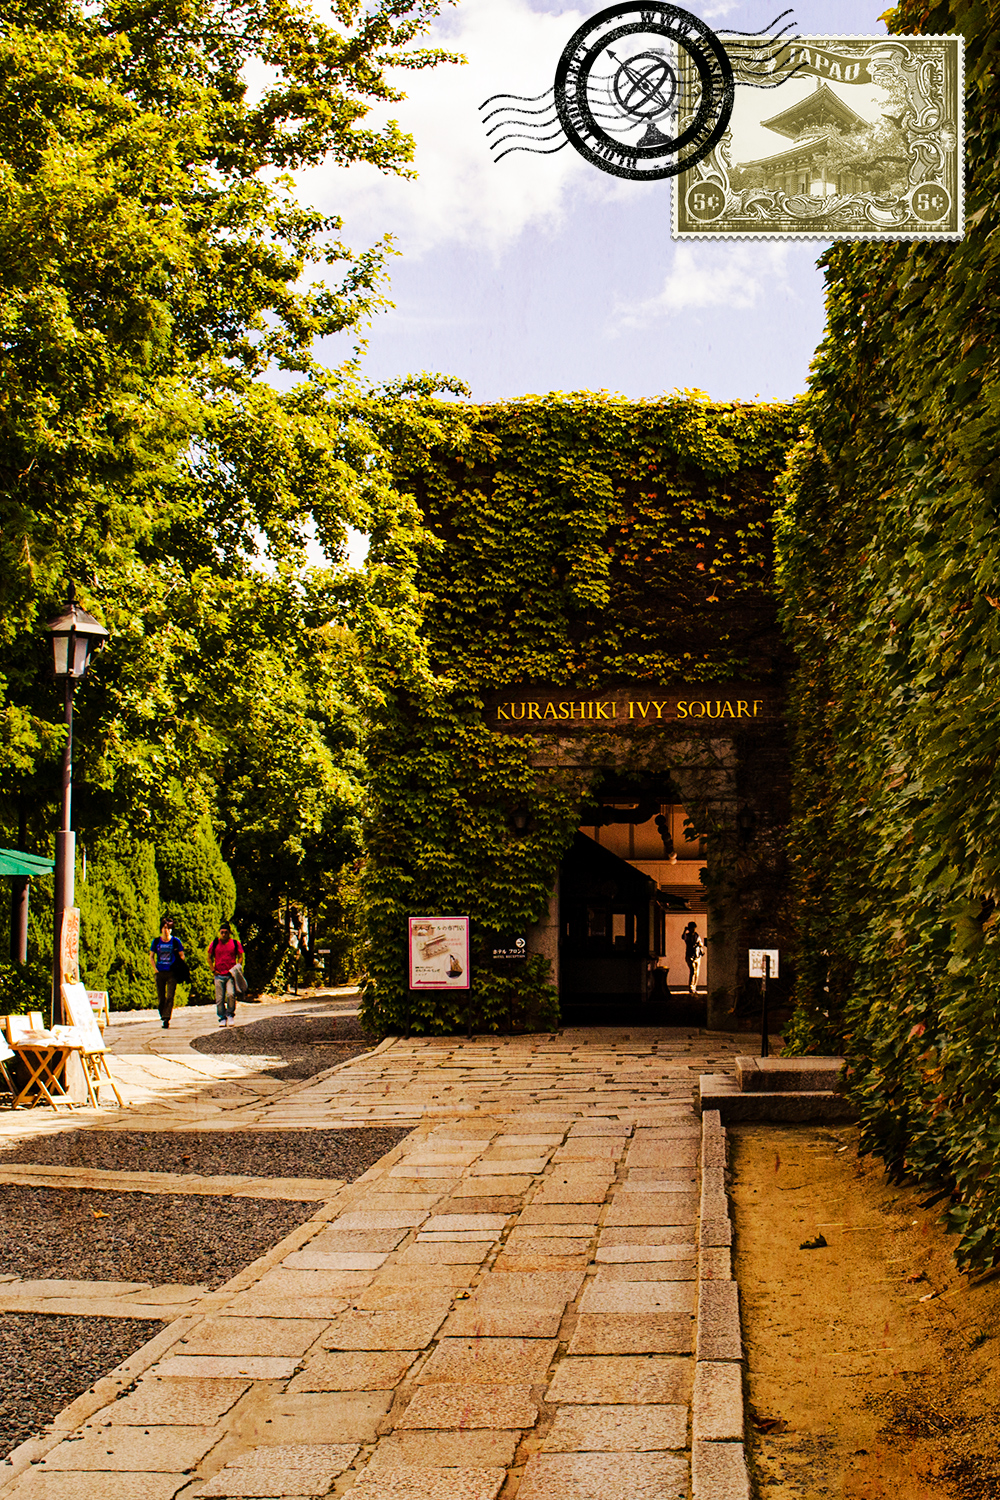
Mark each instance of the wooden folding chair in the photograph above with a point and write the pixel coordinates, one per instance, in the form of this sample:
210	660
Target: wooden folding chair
44	1055
6	1055
93	1052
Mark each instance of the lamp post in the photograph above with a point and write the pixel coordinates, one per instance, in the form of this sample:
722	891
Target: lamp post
75	636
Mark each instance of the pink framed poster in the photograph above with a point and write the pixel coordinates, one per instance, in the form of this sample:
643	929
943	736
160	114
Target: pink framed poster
438	953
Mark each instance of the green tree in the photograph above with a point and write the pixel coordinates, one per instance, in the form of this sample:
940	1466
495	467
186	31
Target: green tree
155	270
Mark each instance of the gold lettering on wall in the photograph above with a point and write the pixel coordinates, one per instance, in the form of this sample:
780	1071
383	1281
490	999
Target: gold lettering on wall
639	710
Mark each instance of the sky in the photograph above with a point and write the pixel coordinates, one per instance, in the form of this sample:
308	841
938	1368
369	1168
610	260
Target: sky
543	273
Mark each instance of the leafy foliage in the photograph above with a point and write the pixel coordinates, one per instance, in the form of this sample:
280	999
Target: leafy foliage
155	270
889	550
579	539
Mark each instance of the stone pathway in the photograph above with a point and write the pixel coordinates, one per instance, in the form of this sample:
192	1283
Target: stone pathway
530	1296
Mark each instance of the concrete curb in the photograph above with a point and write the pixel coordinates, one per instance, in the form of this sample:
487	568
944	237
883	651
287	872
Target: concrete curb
718	1453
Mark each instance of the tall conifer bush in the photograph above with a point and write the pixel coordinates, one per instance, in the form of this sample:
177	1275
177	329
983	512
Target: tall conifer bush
197	889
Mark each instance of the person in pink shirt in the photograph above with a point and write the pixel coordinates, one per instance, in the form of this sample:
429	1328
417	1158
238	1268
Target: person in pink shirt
224	953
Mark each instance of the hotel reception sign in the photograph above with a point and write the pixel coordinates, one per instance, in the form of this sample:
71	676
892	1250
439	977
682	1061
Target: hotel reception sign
535	710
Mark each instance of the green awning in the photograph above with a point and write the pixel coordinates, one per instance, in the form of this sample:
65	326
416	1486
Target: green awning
13	862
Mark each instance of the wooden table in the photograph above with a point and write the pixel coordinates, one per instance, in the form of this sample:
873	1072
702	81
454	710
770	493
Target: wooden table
44	1056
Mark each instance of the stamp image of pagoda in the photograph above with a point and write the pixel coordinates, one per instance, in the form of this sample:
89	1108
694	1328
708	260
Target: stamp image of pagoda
865	143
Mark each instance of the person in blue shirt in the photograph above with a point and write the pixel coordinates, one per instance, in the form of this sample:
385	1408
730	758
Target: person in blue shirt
162	953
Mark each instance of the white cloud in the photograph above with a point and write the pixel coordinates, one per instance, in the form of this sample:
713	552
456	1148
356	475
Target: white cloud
460	195
734	276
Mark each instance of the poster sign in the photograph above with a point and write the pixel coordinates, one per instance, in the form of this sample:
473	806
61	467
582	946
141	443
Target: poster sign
757	957
439	953
69	946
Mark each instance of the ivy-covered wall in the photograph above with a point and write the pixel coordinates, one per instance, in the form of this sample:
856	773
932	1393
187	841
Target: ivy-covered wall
576	540
890	567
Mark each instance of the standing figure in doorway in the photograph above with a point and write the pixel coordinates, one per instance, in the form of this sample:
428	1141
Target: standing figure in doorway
164	952
224	953
694	952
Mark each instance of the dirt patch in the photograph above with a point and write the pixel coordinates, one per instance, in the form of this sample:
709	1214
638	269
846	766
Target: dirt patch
873	1363
292	1046
77	1234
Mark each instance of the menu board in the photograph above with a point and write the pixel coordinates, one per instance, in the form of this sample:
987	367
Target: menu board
439	953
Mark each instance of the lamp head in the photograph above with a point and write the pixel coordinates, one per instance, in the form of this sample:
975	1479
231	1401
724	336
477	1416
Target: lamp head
75	637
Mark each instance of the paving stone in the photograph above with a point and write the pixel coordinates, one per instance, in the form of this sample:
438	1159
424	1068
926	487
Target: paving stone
715	1232
584	1190
414	1483
180	1403
610	1476
468	1223
487	1361
335	1260
212	1366
413	1299
523	1259
387	1219
436	1275
298	1469
627	1379
473	1187
632	1185
442	1173
281	1336
511	1139
598	1127
554	1288
268	1417
560	1213
457	1236
633	1333
538	1244
366	1240
474	1449
648	1234
447	1253
254	1304
663	1175
719	1321
625	1429
281	1282
719	1472
502	1168
603	1296
717	1409
482	1202
465	1406
39	1484
530	1233
354	1370
664	1153
361	1329
529	1320
655	1270
646	1208
625	1253
162	1450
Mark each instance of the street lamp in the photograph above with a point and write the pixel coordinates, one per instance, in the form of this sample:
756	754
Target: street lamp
75	636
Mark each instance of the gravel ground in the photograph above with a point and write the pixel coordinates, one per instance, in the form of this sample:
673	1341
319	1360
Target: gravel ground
46	1361
306	1043
215	1153
76	1234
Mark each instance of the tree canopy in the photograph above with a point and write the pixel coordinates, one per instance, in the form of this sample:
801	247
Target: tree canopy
167	435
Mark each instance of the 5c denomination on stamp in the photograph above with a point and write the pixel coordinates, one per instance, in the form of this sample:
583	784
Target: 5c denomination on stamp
852	138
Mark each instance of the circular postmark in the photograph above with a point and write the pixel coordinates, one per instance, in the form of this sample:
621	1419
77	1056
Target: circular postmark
930	202
644	90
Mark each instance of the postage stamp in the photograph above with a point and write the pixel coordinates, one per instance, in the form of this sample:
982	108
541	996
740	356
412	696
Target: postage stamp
852	138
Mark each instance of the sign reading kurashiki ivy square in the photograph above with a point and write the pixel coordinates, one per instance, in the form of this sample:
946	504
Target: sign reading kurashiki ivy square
854	138
567	711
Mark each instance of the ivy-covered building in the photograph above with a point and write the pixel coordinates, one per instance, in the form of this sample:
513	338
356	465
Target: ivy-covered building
598	755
